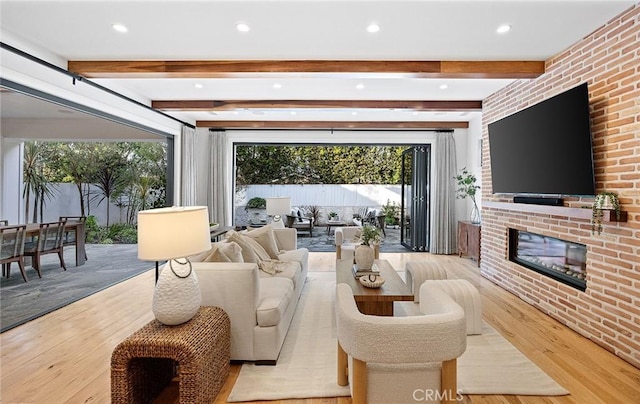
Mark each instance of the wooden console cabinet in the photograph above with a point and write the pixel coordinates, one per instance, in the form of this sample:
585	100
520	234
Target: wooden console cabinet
469	240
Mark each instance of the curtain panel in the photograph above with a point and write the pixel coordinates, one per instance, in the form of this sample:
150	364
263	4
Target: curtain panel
443	223
219	187
188	166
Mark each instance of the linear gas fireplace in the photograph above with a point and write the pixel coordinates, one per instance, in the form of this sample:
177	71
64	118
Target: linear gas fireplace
561	260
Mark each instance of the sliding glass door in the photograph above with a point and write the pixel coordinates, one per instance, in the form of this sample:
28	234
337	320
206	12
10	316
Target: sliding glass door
416	174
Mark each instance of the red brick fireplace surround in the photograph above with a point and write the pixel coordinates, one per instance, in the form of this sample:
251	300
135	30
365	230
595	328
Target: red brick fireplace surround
608	312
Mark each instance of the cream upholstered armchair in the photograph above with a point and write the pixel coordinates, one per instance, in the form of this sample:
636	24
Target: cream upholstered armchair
400	359
344	235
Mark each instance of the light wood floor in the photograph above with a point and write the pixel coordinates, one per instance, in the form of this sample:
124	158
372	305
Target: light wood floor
64	357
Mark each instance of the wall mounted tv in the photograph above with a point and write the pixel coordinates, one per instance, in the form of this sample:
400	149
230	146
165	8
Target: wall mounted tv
545	149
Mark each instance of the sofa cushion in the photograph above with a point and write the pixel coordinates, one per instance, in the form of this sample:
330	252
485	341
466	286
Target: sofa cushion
252	251
266	238
301	255
275	297
287	269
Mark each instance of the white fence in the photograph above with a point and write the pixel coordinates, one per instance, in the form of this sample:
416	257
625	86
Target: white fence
66	202
345	199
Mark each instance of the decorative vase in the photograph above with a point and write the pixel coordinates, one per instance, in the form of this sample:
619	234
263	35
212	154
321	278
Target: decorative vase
364	255
177	295
475	214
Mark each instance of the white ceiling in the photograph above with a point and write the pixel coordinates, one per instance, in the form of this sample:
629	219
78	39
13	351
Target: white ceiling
306	30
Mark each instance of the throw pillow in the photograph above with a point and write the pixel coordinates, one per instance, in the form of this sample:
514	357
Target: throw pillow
202	257
227	252
267	239
251	250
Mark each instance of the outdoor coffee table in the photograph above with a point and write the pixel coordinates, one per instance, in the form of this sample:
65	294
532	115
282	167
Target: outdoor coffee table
377	301
334	223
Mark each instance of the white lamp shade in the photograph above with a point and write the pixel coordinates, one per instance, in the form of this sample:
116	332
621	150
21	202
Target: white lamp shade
280	205
175	232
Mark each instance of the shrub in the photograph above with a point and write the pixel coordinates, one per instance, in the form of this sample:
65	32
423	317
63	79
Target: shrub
256	203
123	233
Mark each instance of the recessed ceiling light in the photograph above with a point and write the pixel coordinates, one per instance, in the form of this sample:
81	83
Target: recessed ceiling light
373	27
443	86
293	112
503	29
359	86
354	113
277	85
235	112
242	27
119	28
415	112
198	85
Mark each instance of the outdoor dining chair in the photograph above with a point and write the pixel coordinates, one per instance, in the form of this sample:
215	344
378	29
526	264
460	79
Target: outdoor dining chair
4	222
12	248
50	238
69	237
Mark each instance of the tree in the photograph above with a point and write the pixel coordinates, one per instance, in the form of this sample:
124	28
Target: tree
35	179
77	162
258	164
111	176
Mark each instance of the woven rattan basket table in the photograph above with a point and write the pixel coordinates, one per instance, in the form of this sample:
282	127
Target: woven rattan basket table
198	352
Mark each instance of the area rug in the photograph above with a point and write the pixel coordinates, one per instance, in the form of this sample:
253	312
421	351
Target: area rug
307	364
108	264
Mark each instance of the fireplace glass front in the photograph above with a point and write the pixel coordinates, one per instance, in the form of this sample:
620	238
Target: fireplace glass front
561	260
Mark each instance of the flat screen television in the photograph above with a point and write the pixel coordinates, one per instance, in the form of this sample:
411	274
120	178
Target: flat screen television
545	149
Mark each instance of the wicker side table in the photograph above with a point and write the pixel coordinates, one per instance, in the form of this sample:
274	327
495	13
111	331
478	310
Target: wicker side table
198	352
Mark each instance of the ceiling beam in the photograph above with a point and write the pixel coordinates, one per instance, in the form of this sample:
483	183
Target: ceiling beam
512	69
229	105
332	125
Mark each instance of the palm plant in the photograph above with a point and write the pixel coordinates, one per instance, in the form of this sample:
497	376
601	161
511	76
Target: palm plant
35	182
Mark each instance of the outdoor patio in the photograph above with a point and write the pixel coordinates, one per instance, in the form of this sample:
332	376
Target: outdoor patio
107	265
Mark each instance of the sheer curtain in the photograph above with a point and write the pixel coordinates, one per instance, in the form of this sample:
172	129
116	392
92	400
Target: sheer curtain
443	223
188	166
219	187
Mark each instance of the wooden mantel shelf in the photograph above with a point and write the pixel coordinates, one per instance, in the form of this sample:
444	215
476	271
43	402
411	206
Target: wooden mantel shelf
576	213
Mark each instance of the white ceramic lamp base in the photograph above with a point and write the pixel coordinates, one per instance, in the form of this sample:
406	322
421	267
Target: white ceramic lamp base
176	298
277	222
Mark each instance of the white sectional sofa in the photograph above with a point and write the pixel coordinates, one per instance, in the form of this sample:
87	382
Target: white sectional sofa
260	297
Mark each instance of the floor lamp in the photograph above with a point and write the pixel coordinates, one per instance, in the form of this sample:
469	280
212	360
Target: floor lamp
276	208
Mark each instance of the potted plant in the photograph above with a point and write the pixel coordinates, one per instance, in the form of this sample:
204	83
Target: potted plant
603	201
333	216
467	188
391	212
364	253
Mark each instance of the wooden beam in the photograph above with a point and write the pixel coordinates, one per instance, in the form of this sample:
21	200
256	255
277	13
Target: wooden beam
226	105
332	125
306	68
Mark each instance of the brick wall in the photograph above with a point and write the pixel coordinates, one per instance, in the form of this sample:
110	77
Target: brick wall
608	312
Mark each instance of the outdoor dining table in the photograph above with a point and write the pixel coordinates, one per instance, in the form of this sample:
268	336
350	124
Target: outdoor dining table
33	229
